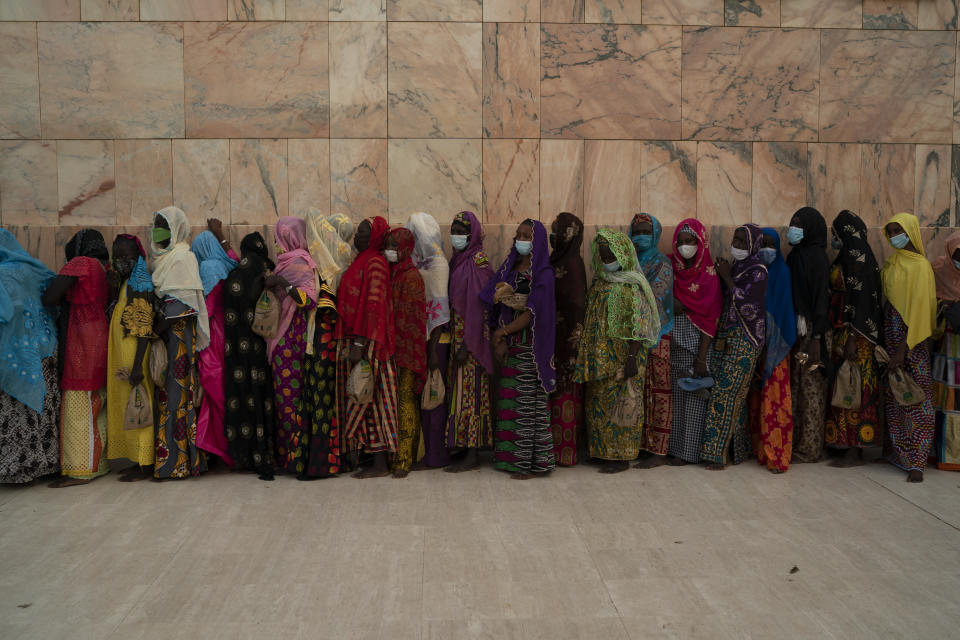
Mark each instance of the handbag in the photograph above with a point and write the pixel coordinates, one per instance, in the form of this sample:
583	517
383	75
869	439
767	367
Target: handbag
138	413
360	383
158	362
904	388
266	317
628	408
433	391
848	386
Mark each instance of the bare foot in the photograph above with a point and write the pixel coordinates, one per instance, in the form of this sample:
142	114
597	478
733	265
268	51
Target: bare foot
516	475
470	462
651	462
135	474
63	482
614	466
399	474
776	471
676	462
372	472
852	458
716	466
915	476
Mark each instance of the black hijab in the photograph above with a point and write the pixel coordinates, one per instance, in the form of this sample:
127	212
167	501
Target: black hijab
87	243
810	271
571	291
861	278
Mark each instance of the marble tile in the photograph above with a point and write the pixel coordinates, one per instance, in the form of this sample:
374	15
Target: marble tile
183	10
705	12
93	85
890	14
86	182
955	186
358	10
308	10
511	80
751	13
28	182
668	180
932	185
938	14
20	107
441	10
561	10
201	179
39	241
40	10
917	67
611	192
724	176
511	11
824	14
833	177
309	175
607	81
511	180
256	80
612	11
258	181
255	10
433	96
750	84
109	10
887	181
358	79
440	176
358	178
144	170
779	181
561	177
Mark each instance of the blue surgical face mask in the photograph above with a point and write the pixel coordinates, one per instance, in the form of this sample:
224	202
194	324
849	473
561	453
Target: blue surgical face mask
956	263
523	247
836	243
611	266
899	241
459	242
767	254
642	241
795	235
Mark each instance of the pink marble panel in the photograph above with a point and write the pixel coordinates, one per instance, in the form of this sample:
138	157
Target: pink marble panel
613	11
938	14
307	10
724	176
20	106
932	185
86	182
40	10
668	180
511	180
751	13
561	10
611	193
511	10
358	79
956	100
955	186
608	81
258	181
255	10
144	170
442	10
309	175
887	181
110	9
836	14
859	72
561	177
183	10
779	181
750	84
890	14
511	80
345	10
28	182
833	177
201	179
438	176
705	12
358	178
111	79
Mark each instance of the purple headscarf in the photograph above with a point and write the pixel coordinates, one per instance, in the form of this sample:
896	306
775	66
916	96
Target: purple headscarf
540	303
749	296
470	271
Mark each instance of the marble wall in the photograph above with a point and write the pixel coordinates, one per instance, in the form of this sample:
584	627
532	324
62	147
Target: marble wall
247	110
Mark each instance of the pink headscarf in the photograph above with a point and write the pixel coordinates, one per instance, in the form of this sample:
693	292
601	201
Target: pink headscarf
945	273
294	265
697	287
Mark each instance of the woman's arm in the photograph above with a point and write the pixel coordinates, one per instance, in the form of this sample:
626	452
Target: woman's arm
432	357
57	290
136	374
700	368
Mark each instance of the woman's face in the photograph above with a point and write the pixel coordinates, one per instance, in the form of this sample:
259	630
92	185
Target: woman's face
606	255
642	227
795	221
390	242
740	239
768	242
524	232
361	239
125	256
956	254
459	229
894	229
685	237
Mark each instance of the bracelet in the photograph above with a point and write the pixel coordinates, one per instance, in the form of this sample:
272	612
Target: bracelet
358	344
224	241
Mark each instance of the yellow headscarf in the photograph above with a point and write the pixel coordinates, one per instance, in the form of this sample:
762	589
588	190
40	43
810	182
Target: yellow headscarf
324	244
909	285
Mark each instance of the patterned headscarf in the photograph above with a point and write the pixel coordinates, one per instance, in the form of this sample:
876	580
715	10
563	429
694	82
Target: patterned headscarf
296	266
470	271
429	258
659	272
781	318
409	308
697	287
87	243
631	308
861	279
749	295
331	253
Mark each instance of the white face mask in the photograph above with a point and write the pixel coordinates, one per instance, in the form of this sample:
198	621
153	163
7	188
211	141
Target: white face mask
687	250
390	255
459	242
739	254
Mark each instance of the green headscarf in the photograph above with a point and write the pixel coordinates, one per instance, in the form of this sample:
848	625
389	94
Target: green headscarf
631	307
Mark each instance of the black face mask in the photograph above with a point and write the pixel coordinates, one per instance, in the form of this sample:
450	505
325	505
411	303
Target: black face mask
124	267
553	241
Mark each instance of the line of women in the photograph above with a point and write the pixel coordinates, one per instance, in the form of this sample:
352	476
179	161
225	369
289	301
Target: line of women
365	349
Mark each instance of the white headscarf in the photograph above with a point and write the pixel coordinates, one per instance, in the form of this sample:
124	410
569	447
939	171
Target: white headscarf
176	272
433	266
325	248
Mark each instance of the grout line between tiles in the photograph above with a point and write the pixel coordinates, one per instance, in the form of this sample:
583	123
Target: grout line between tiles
909	501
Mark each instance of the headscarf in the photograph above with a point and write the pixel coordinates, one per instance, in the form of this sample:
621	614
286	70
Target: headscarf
909	284
540	302
409	308
810	272
176	272
329	251
659	272
429	258
570	291
364	300
88	243
28	332
84	350
748	298
945	272
215	264
781	318
861	278
631	306
294	265
134	239
698	287
470	271
344	227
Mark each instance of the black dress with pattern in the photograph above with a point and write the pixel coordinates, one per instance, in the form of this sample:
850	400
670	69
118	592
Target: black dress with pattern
320	395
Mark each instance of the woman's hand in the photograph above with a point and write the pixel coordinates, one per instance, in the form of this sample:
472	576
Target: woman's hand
850	348
499	335
630	369
216	228
356	353
724	269
460	357
136	376
700	369
271	281
500	351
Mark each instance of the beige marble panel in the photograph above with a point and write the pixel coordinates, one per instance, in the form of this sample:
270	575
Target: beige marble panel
932	185
439	176
705	12
511	10
608	81
444	10
28	182
511	180
561	177
887	181
779	181
358	79
668	180
255	10
724	177
511	80
860	70
40	10
611	190
613	11
309	171
20	106
256	80
833	177
358	178
93	82
938	14
258	181
39	241
358	10
183	10
109	10
201	179
751	13
890	14
430	95
144	170
86	182
561	10
836	14
308	10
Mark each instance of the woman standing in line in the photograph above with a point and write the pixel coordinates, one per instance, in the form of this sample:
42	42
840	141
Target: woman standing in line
946	360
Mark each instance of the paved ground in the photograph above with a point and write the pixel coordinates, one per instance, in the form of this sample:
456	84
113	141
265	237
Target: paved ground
672	552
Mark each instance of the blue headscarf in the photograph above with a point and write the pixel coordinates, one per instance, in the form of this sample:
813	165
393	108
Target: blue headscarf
659	272
28	332
781	318
215	264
